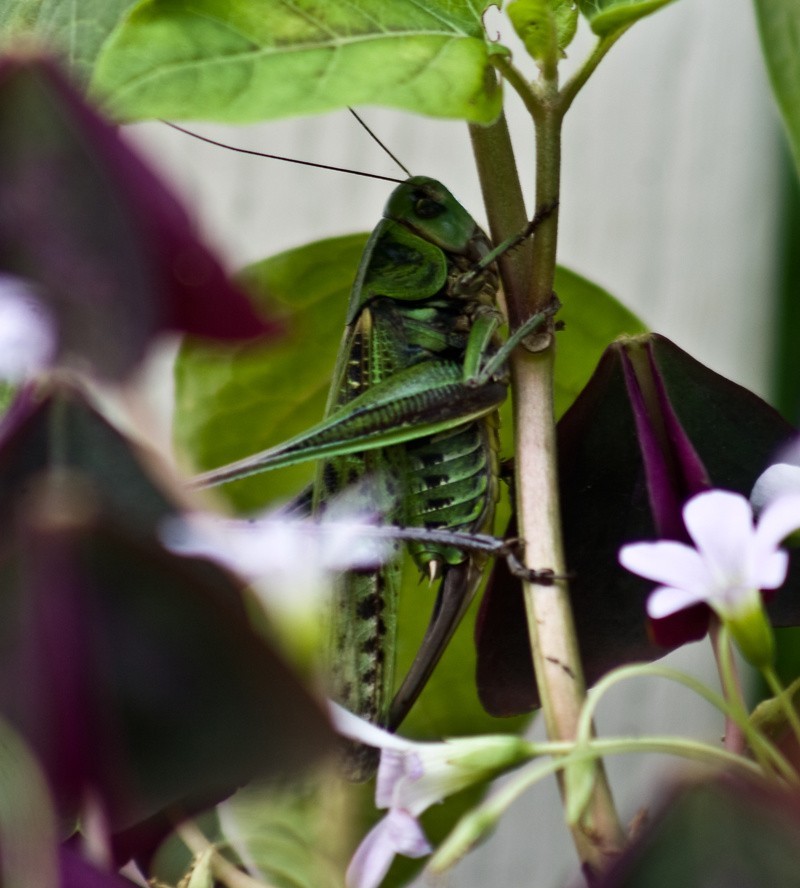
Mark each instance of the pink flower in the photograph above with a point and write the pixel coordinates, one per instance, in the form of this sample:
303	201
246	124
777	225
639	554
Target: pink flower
397	833
413	776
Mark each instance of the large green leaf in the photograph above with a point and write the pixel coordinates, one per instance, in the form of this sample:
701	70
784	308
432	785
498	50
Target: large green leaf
77	30
607	16
240	61
234	401
779	26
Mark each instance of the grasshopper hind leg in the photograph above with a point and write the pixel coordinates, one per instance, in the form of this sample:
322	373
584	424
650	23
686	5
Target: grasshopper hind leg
455	594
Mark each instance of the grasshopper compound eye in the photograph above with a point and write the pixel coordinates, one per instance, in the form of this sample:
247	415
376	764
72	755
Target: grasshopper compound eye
428	208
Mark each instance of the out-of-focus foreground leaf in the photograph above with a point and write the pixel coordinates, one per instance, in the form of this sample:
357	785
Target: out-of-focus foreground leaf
779	27
109	251
722	833
134	674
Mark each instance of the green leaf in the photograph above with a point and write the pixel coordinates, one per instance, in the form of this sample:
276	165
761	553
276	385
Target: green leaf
592	318
607	16
77	29
546	27
296	835
779	27
202	875
234	401
239	61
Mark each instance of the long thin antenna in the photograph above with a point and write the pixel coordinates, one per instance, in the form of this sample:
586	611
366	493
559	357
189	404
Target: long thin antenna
376	139
321	166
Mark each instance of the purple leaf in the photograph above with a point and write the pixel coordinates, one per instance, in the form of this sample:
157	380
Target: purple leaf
134	674
107	248
727	832
77	872
652	427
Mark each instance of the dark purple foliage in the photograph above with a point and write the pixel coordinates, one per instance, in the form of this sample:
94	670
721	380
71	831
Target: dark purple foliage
652	428
76	872
134	674
729	832
108	249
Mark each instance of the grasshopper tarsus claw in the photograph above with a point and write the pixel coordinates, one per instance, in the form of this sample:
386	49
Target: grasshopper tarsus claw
542	576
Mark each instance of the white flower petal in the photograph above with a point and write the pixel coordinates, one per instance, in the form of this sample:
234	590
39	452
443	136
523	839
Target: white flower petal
434	771
667	562
665	601
721	525
355	728
406	834
733	560
771	570
272	542
27	331
780	518
397	833
775	481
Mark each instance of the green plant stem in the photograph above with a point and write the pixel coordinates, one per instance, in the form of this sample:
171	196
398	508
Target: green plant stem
528	282
559	673
731	685
505	208
783	698
483	817
769	757
574	85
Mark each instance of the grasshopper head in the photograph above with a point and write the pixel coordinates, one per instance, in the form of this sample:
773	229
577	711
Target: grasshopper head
429	210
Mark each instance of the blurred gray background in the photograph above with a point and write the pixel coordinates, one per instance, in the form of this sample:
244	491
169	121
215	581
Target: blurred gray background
673	189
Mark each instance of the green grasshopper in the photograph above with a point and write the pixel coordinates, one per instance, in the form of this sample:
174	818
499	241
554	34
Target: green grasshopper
414	403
